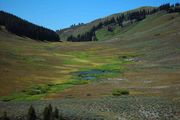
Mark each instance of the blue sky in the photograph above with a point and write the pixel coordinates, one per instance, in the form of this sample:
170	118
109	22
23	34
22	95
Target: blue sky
56	14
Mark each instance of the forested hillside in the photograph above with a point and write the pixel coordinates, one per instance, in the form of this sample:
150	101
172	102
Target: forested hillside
22	27
110	23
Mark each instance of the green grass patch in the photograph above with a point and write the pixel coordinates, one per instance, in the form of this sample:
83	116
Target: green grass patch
38	92
21	97
81	55
104	34
113	67
77	58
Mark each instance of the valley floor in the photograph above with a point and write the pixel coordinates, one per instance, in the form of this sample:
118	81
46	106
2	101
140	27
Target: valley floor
80	78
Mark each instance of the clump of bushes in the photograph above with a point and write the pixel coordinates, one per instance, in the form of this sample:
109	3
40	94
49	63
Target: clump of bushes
52	113
48	114
119	92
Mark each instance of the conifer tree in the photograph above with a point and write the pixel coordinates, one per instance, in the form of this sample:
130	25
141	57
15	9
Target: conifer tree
5	117
22	27
47	114
31	113
56	113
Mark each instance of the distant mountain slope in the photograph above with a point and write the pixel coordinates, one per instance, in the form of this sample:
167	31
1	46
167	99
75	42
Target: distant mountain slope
22	27
81	29
111	25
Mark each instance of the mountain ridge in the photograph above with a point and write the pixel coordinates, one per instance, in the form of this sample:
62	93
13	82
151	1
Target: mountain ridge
96	22
21	27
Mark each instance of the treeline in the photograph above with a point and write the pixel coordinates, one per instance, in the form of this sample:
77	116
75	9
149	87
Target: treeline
170	8
74	25
48	114
119	20
22	27
91	34
88	36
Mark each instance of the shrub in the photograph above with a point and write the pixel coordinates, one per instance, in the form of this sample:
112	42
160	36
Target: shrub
88	94
119	92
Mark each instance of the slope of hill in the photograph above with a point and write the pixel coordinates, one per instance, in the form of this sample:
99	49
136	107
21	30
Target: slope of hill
65	33
156	41
143	59
111	25
22	27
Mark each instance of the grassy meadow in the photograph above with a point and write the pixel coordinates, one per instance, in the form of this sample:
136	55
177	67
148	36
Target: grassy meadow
138	64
